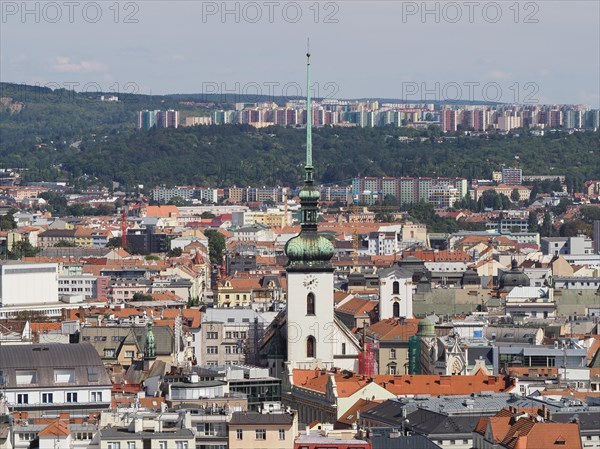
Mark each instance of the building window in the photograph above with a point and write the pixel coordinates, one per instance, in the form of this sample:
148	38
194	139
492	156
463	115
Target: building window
282	434
181	445
396	288
343	348
64	376
212	349
162	445
261	434
393	354
25	377
47	398
310	347
96	396
239	434
109	353
71	397
212	335
93	372
114	445
131	445
23	398
310	304
396	308
392	369
27	436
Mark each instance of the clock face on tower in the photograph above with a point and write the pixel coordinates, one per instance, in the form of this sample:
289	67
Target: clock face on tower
310	281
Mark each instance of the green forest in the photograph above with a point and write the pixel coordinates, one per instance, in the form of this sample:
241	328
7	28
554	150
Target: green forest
55	135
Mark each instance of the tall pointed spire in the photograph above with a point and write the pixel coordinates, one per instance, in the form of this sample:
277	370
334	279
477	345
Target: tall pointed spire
309	162
308	250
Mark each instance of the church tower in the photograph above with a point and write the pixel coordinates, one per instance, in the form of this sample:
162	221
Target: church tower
311	330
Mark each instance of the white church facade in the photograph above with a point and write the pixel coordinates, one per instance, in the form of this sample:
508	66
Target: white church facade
315	338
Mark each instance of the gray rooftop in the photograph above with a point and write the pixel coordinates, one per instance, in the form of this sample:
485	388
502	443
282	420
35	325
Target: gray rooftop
390	438
44	358
114	433
255	418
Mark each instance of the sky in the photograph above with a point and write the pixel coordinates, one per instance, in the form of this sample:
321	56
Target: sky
545	52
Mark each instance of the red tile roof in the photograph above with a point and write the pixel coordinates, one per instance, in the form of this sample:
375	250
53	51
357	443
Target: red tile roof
58	428
403	385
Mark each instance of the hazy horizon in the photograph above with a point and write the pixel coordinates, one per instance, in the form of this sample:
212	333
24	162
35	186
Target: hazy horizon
508	52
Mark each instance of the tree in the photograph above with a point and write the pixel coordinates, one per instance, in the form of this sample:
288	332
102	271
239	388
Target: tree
532	222
514	195
469	203
207	215
114	242
22	249
425	213
193	302
7	222
534	193
505	202
490	200
64	244
590	213
175	252
562	206
573	228
178	201
142	297
216	246
546	230
389	200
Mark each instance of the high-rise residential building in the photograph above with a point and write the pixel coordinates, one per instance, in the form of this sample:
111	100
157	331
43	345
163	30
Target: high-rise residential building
449	120
146	119
406	190
555	118
573	119
480	119
512	176
592	119
468	119
160	119
596	236
508	121
167	119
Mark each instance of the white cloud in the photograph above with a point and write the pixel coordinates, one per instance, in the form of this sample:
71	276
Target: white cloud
65	64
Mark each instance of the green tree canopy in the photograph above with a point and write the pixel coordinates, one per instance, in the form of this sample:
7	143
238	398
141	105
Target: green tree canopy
216	246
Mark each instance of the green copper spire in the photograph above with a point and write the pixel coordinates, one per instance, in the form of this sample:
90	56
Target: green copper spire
309	163
309	251
150	347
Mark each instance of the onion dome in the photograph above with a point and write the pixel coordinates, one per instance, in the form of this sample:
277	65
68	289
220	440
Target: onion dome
309	251
513	278
426	328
